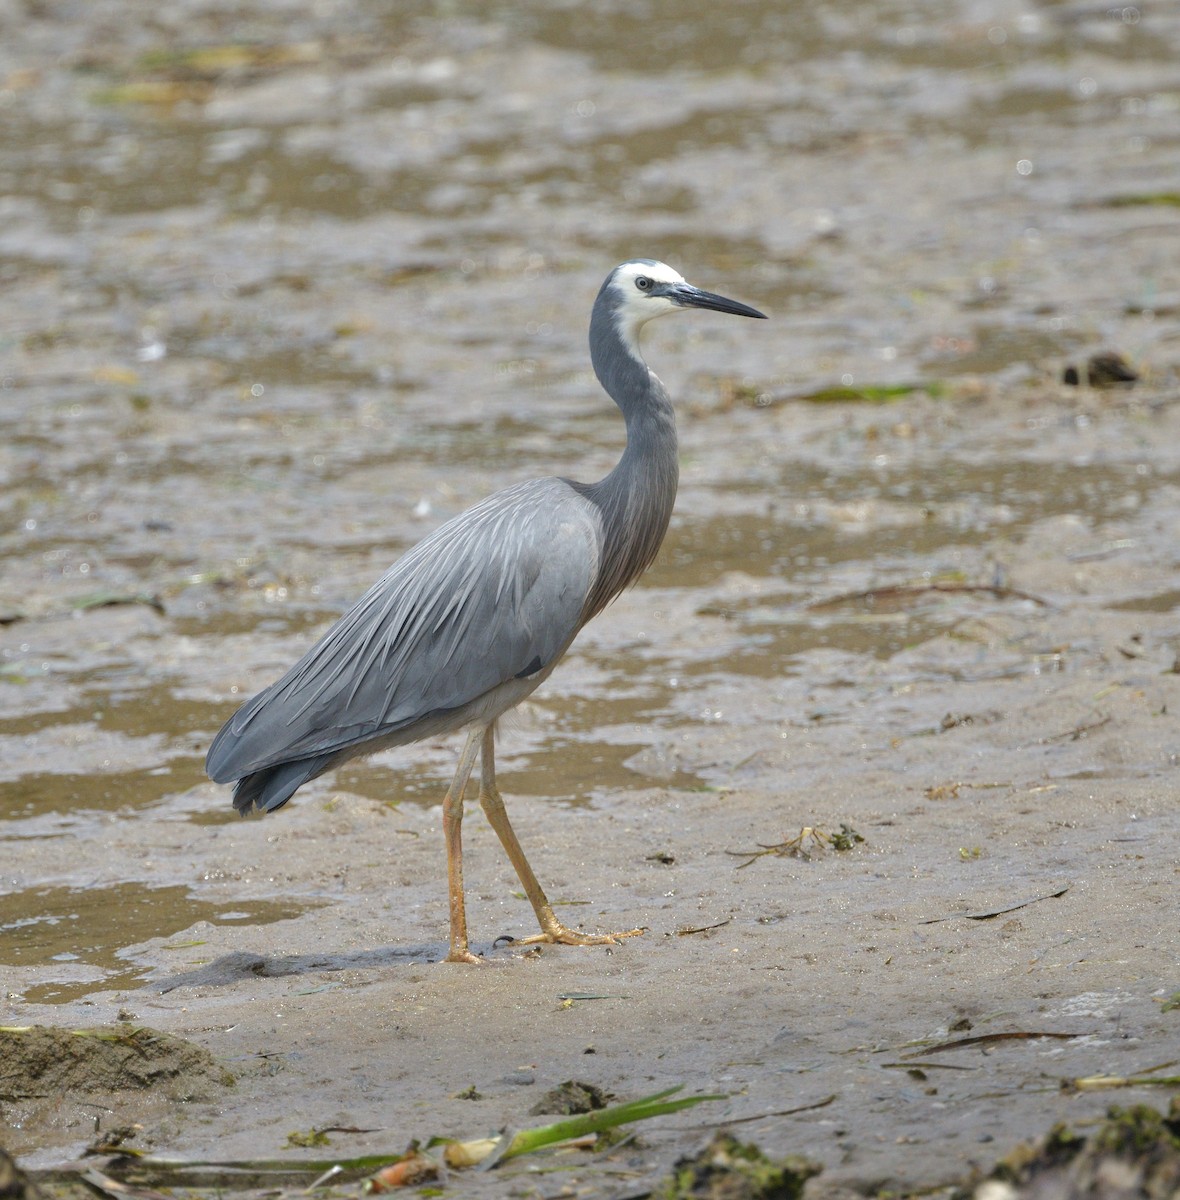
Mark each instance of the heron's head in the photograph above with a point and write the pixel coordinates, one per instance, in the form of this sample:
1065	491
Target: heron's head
642	289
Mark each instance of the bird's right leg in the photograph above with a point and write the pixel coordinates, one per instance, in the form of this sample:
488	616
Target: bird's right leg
453	833
552	930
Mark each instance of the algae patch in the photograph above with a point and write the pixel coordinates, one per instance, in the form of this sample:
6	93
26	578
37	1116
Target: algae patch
731	1170
1135	1152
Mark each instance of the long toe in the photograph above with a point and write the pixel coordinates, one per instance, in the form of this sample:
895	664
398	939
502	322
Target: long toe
569	937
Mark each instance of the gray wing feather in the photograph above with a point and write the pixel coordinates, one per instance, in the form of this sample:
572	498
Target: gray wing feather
494	594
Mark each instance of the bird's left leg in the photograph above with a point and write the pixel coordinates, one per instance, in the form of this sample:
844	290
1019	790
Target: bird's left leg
493	806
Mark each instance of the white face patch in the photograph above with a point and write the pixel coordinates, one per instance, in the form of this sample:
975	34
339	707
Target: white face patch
660	272
637	305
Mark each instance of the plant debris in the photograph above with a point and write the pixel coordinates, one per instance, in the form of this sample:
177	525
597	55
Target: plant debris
568	999
703	928
1078	731
411	1170
1135	1152
984	1038
807	841
417	1165
117	599
114	1141
308	1138
997	912
869	393
784	1112
117	1189
1094	1083
1103	370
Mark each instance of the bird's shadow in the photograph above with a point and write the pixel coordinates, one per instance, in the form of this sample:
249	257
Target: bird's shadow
243	965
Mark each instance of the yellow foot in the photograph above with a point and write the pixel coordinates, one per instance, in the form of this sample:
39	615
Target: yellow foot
568	937
462	956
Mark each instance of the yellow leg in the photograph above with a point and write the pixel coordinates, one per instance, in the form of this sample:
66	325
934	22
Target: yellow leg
552	930
453	833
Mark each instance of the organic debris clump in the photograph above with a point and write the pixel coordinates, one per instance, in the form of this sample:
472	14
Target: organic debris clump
570	1098
1134	1153
731	1170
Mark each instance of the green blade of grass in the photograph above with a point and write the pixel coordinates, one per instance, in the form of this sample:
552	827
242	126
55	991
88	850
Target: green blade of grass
529	1140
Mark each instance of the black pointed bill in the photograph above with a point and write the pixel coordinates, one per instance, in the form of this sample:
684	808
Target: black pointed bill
691	297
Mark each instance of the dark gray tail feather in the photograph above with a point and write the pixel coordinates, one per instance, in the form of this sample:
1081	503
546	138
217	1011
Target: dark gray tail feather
272	787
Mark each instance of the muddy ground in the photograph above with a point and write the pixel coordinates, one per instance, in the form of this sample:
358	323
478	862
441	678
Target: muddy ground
284	287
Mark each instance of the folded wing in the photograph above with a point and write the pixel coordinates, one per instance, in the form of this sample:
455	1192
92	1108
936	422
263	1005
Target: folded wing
495	594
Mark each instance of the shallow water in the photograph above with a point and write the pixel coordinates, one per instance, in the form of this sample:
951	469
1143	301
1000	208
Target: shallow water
285	290
84	929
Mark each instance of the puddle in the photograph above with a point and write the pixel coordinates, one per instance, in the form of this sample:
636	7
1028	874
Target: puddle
74	795
85	932
580	747
134	712
773	634
106	749
561	772
909	515
585	770
1163	602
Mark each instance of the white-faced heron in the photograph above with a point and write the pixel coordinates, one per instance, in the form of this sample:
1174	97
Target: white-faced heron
475	617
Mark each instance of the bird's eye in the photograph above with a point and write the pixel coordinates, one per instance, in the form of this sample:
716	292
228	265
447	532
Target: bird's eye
643	283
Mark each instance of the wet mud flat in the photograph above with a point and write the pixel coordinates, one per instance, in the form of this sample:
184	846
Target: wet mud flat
283	292
997	731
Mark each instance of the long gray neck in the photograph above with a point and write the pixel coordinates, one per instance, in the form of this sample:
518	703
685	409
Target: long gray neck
636	498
